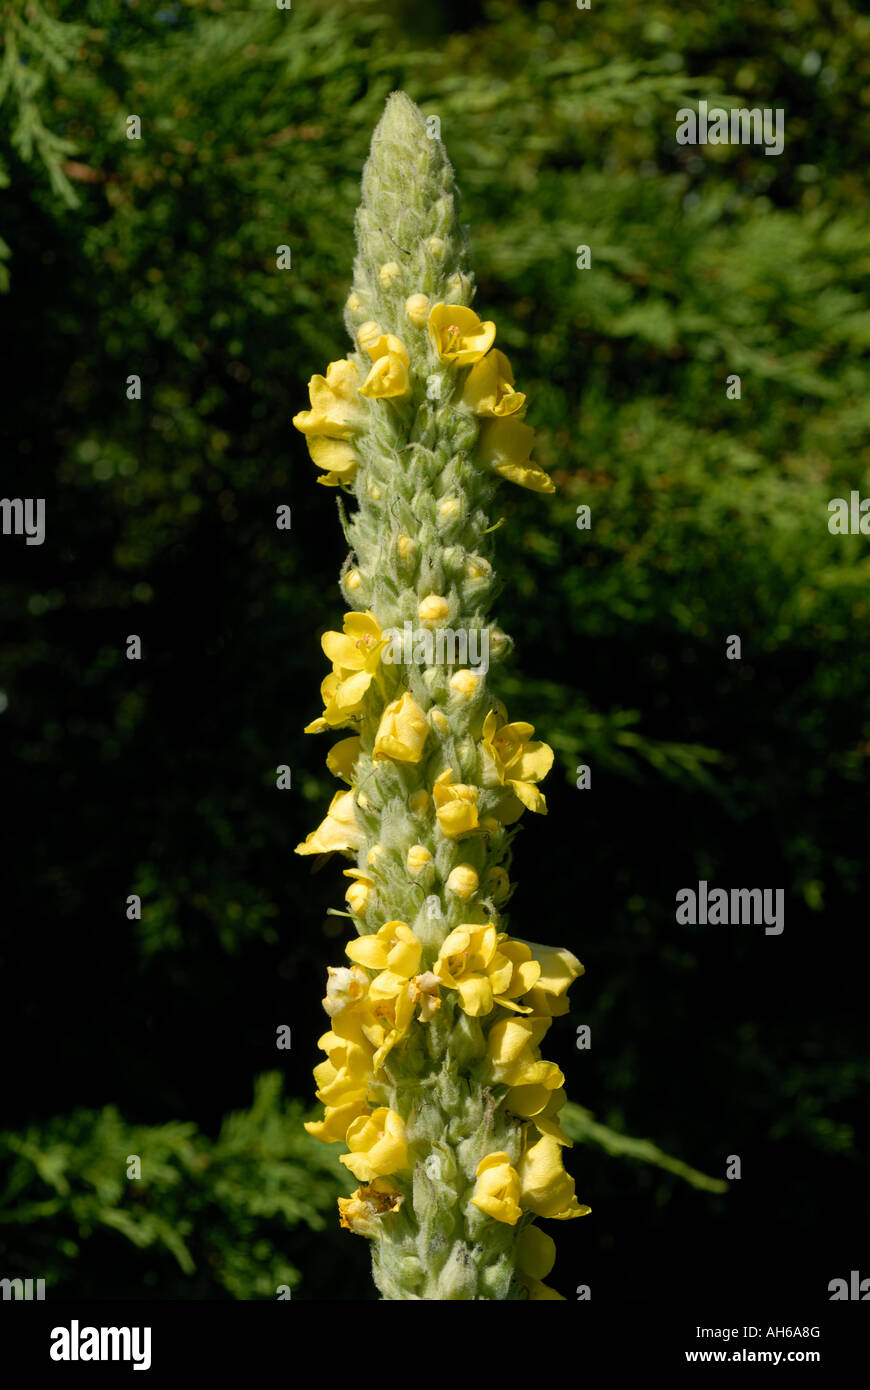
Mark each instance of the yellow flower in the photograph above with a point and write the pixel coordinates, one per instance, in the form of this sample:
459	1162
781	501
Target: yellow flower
335	409
392	1004
483	975
346	988
504	446
513	1058
389	376
498	1189
353	1014
339	830
352	648
359	892
336	1121
458	335
342	1079
355	654
489	389
547	1189
518	762
559	968
535	1252
394	948
395	952
364	1209
545	1120
524	974
347	1071
334	416
387	380
335	456
509	1037
535	1257
456	805
532	1099
402	731
424	990
341	758
378	1145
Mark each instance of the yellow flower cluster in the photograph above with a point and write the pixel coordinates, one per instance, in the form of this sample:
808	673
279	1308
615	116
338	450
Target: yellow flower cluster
460	339
371	1006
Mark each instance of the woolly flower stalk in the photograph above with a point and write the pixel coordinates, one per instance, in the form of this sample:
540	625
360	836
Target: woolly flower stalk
433	1076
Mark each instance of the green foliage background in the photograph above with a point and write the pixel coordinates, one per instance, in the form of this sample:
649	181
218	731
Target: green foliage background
157	257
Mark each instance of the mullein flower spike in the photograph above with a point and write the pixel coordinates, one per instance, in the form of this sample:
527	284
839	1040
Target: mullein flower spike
433	1077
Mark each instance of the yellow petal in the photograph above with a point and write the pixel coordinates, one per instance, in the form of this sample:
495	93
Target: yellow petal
342	757
333	455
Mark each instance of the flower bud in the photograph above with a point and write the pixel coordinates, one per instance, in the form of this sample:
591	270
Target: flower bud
433	609
463	881
359	892
436	248
369	334
438	720
417	309
477	568
419	803
464	683
389	274
449	508
417	859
